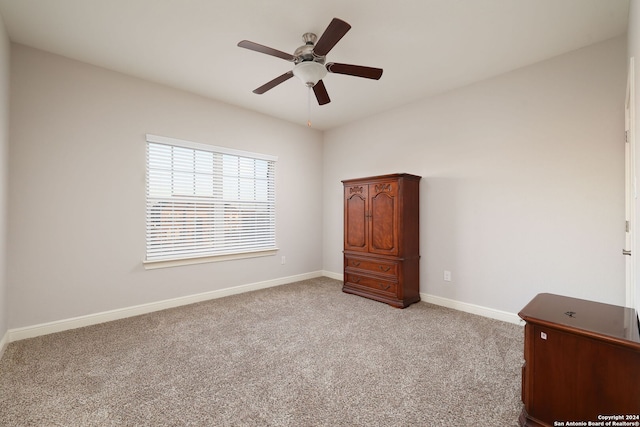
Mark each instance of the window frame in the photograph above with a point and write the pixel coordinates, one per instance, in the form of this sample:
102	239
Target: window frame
214	256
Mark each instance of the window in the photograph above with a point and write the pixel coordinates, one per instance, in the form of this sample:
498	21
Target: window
205	201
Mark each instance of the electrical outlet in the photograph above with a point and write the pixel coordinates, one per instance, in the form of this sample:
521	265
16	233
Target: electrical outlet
447	276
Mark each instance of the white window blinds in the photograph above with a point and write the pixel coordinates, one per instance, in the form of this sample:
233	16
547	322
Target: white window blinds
207	201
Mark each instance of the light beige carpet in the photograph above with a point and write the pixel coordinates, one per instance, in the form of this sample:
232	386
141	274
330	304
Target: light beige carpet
303	354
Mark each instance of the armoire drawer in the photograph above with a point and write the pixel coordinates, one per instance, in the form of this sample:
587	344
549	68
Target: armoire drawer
373	284
373	265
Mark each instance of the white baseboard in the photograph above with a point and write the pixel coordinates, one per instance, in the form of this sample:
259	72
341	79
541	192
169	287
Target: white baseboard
456	305
4	342
332	275
92	319
106	316
505	316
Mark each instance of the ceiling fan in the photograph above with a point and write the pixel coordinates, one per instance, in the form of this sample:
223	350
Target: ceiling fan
309	61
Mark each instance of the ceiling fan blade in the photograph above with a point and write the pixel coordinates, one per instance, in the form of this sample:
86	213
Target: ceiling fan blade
321	93
266	50
332	35
355	70
273	83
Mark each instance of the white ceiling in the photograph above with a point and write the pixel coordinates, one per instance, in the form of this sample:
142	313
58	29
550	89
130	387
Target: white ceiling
424	46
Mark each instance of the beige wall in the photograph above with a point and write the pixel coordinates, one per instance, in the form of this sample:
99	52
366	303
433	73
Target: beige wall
77	189
523	180
522	187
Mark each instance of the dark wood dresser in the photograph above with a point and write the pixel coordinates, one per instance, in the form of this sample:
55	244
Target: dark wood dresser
382	238
582	363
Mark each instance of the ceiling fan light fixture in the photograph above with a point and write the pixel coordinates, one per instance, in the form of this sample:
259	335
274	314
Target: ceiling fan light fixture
309	72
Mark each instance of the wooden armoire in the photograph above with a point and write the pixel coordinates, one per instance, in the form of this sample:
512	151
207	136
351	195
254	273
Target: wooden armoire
382	238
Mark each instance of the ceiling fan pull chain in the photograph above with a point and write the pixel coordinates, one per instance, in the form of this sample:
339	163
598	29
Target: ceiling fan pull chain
309	106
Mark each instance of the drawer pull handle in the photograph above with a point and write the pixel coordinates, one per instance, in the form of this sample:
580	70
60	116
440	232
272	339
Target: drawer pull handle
356	279
384	268
355	263
383	287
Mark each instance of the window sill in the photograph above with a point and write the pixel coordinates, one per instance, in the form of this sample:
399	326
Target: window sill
152	265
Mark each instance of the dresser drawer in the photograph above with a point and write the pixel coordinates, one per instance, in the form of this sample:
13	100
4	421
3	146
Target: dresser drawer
372	265
372	284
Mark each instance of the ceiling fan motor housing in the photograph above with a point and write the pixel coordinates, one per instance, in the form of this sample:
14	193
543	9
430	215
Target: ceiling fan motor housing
305	52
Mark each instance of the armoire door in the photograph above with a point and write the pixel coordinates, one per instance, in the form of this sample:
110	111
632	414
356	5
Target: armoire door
383	227
356	214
